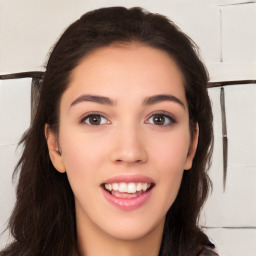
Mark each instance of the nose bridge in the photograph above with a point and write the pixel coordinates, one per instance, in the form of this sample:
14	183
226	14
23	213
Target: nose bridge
128	144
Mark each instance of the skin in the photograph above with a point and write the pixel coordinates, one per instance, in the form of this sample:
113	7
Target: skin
127	141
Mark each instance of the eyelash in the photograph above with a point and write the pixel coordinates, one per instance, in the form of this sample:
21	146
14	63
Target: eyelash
83	120
166	115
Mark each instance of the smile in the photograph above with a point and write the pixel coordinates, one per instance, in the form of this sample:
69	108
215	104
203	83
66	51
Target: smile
127	187
127	195
127	190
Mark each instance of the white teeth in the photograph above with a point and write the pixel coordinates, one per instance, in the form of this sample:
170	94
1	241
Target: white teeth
123	187
144	186
139	186
115	186
131	188
127	187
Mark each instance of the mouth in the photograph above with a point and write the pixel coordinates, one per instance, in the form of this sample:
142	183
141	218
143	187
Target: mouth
127	190
127	194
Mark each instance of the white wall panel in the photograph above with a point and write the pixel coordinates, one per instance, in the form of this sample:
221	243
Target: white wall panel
240	194
29	28
15	118
238	37
227	71
239	207
239	242
212	213
233	241
239	33
9	156
14	109
241	124
230	214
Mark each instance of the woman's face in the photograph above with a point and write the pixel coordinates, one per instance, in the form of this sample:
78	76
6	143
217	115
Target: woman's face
124	139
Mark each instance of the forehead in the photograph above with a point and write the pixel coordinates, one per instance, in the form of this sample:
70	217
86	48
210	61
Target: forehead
135	69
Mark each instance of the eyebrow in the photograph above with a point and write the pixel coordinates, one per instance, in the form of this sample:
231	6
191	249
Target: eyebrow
107	101
162	97
93	98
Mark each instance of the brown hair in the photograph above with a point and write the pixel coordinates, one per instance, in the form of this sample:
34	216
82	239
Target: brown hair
43	221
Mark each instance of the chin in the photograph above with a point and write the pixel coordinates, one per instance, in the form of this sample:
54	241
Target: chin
134	230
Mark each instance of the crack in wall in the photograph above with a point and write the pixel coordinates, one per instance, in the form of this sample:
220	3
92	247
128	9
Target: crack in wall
228	3
224	137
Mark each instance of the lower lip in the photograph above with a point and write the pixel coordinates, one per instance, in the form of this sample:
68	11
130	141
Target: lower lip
127	204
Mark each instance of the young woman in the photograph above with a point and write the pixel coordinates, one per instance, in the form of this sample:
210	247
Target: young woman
115	160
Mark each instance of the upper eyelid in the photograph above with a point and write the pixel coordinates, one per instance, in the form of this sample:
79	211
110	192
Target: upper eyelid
162	112
86	115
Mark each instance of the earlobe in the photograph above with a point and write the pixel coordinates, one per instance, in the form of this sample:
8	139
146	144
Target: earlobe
192	149
53	148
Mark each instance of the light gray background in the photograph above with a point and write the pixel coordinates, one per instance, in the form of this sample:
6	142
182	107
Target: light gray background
225	31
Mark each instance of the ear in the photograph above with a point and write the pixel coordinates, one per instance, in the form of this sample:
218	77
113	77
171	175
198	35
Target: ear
53	148
192	149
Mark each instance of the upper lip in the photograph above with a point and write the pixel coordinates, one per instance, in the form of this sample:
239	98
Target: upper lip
129	179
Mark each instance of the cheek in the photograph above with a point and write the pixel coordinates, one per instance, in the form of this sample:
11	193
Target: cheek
82	155
171	150
169	155
171	160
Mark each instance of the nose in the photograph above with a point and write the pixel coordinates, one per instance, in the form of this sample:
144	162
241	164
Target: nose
128	146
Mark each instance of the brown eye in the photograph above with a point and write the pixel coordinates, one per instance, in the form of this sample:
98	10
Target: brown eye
161	120
94	120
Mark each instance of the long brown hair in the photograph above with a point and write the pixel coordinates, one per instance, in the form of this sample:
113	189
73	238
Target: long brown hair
43	220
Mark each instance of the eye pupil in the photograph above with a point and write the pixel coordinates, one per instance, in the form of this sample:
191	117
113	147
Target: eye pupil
158	119
94	120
